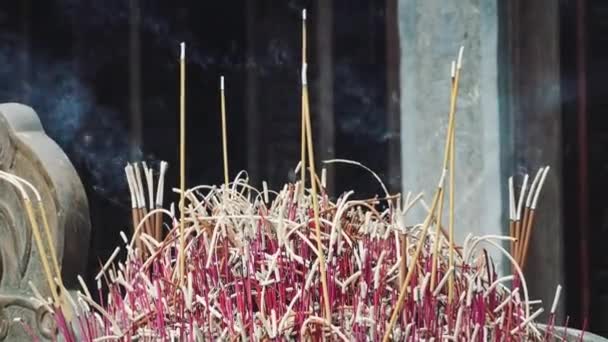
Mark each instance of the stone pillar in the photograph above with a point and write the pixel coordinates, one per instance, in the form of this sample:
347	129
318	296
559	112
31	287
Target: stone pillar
508	120
431	32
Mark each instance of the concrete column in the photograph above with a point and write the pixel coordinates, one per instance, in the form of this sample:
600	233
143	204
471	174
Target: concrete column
431	32
507	125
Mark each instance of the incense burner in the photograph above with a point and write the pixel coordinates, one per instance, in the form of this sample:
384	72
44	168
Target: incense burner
26	151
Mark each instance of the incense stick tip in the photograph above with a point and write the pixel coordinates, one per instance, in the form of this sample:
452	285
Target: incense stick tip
460	53
182	54
442	179
304	14
221	82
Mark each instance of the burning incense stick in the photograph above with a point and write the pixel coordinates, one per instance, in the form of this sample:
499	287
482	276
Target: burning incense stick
304	108
452	170
224	134
440	211
448	143
182	157
315	200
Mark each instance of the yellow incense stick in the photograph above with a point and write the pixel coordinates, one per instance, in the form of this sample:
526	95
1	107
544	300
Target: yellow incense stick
410	271
303	124
315	202
452	174
437	243
429	218
17	183
38	239
182	157
440	212
47	232
224	134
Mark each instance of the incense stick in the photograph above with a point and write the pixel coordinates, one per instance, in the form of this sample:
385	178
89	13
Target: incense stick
36	231
512	214
315	200
182	157
440	211
451	135
404	286
224	134
304	103
530	224
518	215
158	233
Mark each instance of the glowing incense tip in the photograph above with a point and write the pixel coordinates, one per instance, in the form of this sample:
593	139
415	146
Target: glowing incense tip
304	14
304	78
460	57
221	82
453	72
182	54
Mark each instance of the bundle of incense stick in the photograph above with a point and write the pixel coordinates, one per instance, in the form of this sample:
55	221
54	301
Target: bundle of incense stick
240	263
522	224
44	243
253	272
152	223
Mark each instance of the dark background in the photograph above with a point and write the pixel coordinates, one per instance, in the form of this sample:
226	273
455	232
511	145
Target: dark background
103	77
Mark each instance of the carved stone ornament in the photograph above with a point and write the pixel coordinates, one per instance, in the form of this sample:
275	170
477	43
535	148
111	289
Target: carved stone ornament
27	152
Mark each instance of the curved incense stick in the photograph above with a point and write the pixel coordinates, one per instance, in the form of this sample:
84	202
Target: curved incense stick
452	171
36	231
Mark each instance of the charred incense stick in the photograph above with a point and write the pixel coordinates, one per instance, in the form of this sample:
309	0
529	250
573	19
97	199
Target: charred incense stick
304	103
315	200
224	134
182	157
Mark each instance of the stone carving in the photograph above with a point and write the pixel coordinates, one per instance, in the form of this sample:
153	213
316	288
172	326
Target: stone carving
26	151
